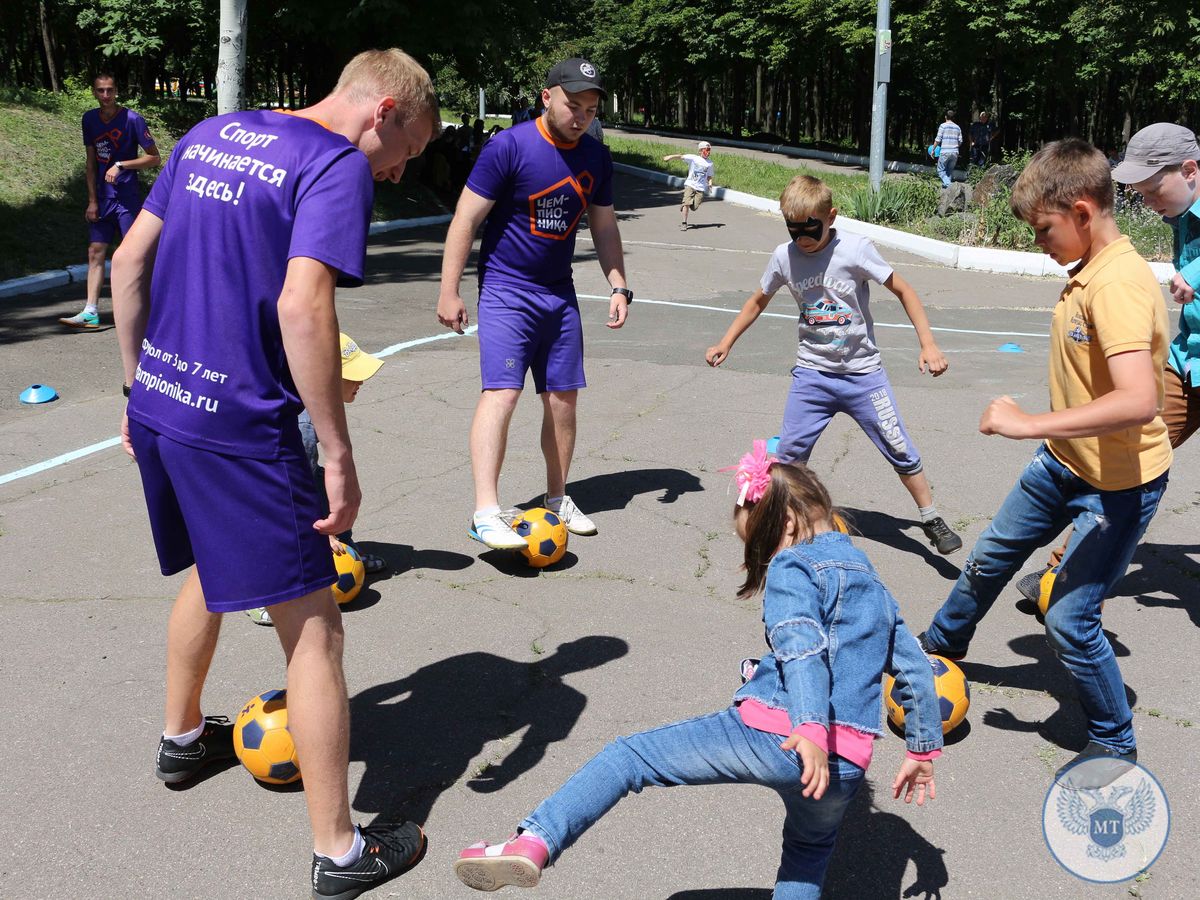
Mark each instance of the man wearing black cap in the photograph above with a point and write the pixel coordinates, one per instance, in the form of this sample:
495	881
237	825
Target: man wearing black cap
532	184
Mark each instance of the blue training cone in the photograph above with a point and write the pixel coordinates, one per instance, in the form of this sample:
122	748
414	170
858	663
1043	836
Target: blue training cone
773	444
1010	348
38	393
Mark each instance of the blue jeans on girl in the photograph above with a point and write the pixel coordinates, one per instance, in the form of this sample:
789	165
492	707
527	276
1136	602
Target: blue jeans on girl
717	748
1108	525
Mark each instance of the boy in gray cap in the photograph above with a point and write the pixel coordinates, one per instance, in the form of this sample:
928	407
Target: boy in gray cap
1162	163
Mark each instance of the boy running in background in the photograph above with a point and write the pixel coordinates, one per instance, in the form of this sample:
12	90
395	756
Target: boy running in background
838	368
699	179
1102	464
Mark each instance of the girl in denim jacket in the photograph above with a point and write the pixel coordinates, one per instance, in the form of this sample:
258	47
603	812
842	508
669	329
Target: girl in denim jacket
805	722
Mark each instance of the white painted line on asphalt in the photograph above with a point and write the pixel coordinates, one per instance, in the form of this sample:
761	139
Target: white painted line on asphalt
116	441
59	460
726	309
666	245
396	348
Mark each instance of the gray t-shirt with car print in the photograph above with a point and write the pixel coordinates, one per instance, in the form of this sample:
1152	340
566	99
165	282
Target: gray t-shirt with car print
836	332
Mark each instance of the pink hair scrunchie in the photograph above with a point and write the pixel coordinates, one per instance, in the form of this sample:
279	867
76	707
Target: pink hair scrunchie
752	473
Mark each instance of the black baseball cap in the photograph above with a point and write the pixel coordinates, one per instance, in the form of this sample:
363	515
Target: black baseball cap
576	75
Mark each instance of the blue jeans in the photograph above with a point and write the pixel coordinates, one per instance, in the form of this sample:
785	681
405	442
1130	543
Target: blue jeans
1108	525
945	166
714	749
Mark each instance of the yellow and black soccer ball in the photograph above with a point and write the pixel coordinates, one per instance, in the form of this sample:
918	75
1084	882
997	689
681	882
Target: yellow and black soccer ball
545	536
262	741
953	690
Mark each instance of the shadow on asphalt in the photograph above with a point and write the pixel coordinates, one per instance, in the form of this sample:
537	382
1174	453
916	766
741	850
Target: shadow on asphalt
212	770
1067	725
1164	569
873	851
418	735
603	493
404	558
879	526
33	317
511	562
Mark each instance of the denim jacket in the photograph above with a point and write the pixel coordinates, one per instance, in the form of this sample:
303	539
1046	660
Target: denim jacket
833	630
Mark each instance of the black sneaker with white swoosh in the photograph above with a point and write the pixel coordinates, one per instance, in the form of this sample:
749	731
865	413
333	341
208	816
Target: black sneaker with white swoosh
388	852
179	762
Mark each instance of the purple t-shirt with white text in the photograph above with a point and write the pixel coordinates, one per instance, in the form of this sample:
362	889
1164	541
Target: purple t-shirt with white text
541	188
116	139
242	194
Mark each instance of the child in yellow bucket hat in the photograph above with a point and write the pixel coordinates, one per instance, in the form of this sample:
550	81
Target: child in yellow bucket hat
357	366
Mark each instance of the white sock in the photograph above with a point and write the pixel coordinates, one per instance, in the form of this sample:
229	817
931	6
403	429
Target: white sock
553	503
187	737
927	513
485	512
351	856
90	308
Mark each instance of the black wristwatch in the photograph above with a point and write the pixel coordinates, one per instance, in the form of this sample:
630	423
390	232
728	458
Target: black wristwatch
125	389
626	292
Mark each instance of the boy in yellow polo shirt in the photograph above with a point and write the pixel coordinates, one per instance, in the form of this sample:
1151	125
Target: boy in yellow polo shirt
1102	466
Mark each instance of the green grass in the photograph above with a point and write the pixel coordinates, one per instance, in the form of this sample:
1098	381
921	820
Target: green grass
740	173
43	192
907	202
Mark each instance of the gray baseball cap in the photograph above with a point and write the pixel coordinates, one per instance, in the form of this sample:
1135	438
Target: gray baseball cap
1152	148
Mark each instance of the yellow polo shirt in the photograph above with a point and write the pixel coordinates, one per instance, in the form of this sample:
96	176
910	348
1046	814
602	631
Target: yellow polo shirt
1112	305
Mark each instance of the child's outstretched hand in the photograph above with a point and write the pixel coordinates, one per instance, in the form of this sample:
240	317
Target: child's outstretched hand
914	776
932	360
716	355
815	776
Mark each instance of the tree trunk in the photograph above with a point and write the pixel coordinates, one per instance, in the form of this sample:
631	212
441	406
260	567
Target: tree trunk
758	98
231	57
48	45
1127	123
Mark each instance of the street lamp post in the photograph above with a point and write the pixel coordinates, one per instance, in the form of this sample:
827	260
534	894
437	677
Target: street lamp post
883	74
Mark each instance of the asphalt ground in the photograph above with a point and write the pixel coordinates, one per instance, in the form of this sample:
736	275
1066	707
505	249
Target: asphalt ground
477	685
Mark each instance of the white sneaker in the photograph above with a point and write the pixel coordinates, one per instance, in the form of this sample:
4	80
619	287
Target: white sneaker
260	616
496	532
573	518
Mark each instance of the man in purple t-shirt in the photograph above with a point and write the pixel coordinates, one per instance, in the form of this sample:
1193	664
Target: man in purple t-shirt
112	135
223	295
533	183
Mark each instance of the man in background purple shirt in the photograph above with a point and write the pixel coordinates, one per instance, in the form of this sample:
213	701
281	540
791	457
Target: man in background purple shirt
223	295
112	135
533	183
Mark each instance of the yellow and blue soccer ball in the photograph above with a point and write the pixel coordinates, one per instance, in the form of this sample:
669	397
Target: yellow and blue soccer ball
545	536
1044	588
262	741
953	690
351	574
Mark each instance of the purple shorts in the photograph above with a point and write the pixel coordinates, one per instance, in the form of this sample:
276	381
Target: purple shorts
246	524
519	330
114	213
815	397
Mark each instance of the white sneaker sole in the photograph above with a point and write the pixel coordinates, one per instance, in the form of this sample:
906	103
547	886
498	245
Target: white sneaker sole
583	532
495	872
519	544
